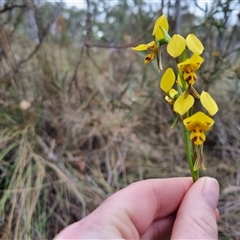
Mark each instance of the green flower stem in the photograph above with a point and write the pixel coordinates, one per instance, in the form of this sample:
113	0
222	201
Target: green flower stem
195	174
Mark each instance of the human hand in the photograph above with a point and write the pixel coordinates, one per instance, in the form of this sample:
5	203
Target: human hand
173	208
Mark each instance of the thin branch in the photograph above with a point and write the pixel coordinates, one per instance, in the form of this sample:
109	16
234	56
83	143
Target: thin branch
234	50
118	46
115	46
109	45
86	29
7	7
34	51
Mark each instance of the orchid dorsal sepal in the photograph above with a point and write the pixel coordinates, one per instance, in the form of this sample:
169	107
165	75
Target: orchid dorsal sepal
161	22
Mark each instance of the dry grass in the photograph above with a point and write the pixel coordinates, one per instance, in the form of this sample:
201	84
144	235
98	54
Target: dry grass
83	139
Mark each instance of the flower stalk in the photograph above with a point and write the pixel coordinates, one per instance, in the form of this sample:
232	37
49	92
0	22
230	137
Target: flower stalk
188	144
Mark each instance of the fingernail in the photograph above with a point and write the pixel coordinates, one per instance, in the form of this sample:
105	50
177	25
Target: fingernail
211	192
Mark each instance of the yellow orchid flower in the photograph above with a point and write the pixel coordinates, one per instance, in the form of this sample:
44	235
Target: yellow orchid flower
152	46
160	26
208	103
183	103
189	66
160	22
198	124
167	80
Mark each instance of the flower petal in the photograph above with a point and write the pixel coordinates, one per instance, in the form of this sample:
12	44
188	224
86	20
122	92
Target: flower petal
157	32
176	45
183	103
199	119
194	44
149	57
152	46
194	62
167	80
208	103
141	47
197	136
189	76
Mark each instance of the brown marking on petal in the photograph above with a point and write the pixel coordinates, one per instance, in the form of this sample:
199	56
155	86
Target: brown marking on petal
188	78
194	139
147	58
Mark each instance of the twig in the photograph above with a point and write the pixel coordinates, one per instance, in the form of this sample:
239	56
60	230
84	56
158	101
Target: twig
30	56
86	29
88	44
6	7
117	46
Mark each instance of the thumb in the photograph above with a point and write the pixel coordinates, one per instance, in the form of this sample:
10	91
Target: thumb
196	217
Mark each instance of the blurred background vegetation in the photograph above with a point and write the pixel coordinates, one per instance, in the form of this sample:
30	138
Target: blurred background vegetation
82	116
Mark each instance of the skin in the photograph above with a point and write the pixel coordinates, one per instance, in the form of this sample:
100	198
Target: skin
173	208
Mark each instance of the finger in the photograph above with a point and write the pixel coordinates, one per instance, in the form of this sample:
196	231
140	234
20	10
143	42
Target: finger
129	212
196	217
143	202
160	228
163	227
217	214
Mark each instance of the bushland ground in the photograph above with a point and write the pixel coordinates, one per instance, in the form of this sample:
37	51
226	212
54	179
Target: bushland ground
82	116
